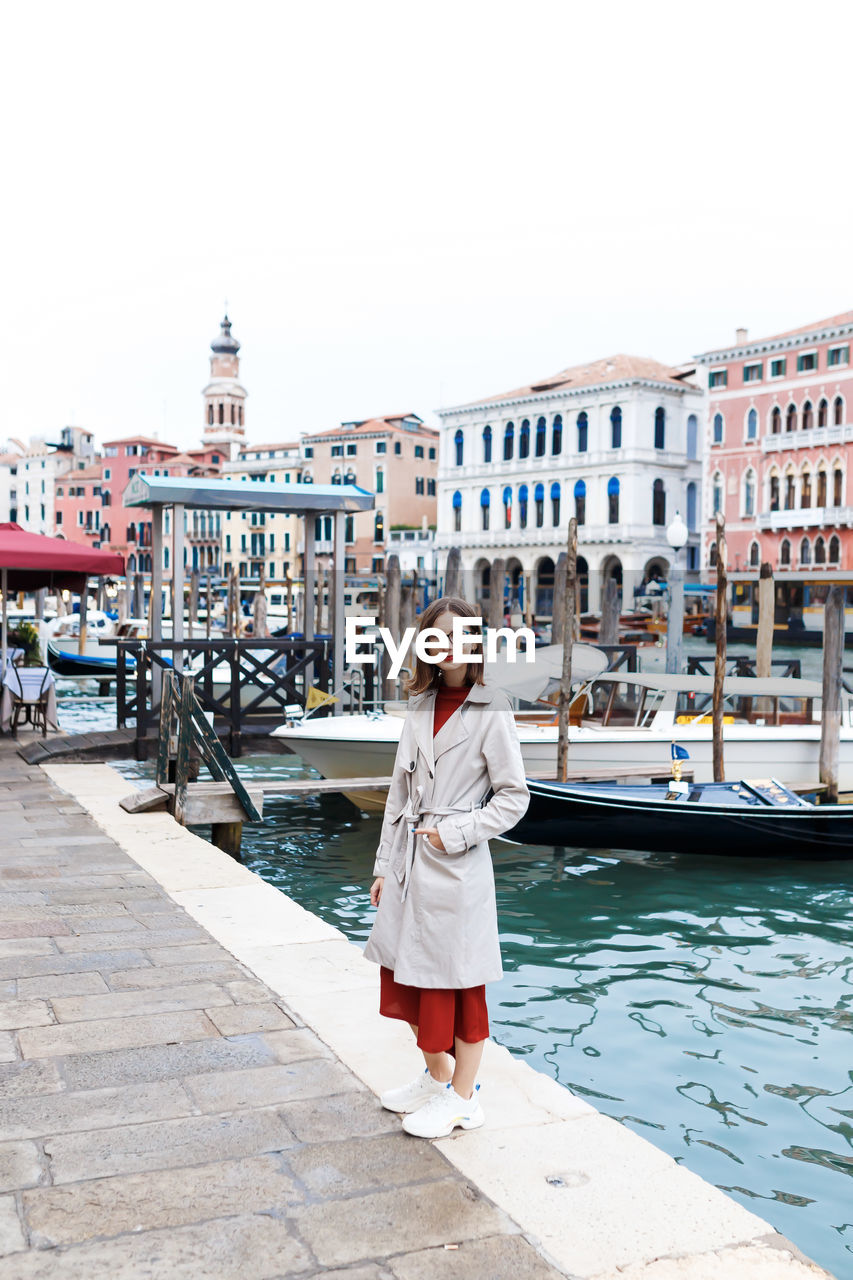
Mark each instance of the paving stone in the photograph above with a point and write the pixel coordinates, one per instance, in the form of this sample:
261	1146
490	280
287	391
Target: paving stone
120	1004
114	1033
24	1013
8	1048
217	1249
349	1115
238	1020
92	1109
12	1237
48	961
132	938
166	1144
334	1169
102	924
62	984
20	1166
32	1076
247	990
111	1206
503	1257
33	928
194	954
125	894
173	974
263	1086
163	1062
369	1272
14	947
402	1220
291	1045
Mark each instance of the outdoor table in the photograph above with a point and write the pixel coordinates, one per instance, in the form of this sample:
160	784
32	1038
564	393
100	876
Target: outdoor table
7	702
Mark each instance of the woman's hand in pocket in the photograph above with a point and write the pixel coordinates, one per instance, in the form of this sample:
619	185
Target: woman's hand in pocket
376	890
432	837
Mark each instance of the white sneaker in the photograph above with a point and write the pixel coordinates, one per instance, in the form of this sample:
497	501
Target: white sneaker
411	1096
441	1113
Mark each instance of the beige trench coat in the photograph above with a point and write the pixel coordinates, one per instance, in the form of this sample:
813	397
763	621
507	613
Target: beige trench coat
436	924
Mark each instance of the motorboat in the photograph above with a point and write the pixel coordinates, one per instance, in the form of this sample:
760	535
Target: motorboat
759	818
621	720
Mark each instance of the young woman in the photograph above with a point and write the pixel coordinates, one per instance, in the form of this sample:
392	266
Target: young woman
458	779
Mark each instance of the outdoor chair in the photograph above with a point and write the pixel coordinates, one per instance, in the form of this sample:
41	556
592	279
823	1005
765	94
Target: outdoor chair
30	689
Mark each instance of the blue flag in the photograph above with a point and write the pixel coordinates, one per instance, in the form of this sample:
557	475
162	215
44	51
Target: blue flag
679	753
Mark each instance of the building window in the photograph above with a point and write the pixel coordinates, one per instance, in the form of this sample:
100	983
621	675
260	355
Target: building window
487	444
539	500
351	450
379	527
777	367
616	427
717	495
398	448
807	421
837	486
431	488
785	552
613	500
807	362
718	378
749	494
752	372
524	439
240	415
507	501
821	488
660	428
583	431
509	433
337	450
836	356
806	490
776	421
419	485
349	531
712	555
221	414
791	418
380	480
522	506
419	451
557	434
541	438
774	493
457	511
834	550
719	428
459	443
692	436
485	499
754	555
838	411
752	424
658	503
309	451
380	446
580	501
790	492
431	454
823	413
819	551
210	415
805	552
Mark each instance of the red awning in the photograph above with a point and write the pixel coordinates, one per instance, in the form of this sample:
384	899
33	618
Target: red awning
34	561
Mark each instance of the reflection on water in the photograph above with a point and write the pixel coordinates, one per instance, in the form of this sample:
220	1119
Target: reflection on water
706	1003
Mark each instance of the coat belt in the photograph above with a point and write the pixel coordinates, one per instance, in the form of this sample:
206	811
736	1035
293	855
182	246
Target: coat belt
413	816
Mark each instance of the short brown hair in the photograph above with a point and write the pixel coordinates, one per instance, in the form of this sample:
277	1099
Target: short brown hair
426	675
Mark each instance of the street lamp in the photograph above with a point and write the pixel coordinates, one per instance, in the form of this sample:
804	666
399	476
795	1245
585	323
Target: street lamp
676	536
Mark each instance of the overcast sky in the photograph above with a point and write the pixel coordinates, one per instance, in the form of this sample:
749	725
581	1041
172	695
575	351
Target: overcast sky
406	206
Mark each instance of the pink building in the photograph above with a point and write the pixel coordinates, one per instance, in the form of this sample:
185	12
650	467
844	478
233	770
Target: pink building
780	447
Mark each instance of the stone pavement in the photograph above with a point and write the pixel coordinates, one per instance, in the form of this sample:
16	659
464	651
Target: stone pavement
163	1113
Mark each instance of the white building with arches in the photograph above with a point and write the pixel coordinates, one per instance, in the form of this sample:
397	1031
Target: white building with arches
616	442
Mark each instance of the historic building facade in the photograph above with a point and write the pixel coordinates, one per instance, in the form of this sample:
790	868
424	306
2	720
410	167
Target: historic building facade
779	448
616	442
263	543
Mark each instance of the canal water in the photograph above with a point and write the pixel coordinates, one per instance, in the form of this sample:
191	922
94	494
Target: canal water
704	1002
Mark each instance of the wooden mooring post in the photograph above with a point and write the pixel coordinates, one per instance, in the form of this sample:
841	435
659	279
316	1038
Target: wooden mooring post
764	634
568	617
720	614
830	725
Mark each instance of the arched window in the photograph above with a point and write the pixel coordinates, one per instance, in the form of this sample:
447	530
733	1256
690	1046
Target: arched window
790	491
507	501
838	411
819	551
239	417
752	425
837	486
805	552
539	502
660	427
658	503
210	415
583	431
233	414
754	554
509	441
580	501
379	527
459	442
774	492
457	513
557	434
807	420
349	478
791	418
131	564
485	499
555	503
821	488
785	552
822	420
524	439
719	429
834	550
522	506
541	438
692	436
712	555
691	506
337	478
806	489
221	414
749	493
487	444
616	427
776	421
613	500
716	494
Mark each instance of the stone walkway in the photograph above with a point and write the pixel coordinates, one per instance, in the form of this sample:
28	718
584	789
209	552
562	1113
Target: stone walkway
162	1113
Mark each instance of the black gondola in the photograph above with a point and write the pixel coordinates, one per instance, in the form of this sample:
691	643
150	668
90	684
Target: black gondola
736	819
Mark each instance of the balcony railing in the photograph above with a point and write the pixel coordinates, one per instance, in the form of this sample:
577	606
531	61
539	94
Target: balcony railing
813	439
805	518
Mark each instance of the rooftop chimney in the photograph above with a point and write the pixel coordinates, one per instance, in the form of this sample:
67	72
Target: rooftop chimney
740	337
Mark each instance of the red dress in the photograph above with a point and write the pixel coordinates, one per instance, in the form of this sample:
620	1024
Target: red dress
441	1014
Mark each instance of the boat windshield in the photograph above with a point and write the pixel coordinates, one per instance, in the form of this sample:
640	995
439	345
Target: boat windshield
696	708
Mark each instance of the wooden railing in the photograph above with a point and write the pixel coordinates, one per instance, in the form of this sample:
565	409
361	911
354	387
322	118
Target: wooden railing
743	665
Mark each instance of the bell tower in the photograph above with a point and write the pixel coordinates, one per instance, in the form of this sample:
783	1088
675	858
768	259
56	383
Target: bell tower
224	397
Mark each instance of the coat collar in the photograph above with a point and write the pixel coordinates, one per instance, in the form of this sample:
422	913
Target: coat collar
422	708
